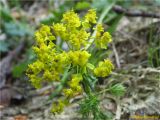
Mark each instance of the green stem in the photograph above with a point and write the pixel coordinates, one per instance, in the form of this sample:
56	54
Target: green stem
61	43
103	91
59	48
77	69
63	81
86	85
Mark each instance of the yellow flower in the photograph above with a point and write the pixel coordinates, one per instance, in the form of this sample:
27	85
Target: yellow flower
103	41
35	80
79	57
60	30
45	29
79	39
36	67
78	89
71	19
68	92
58	108
74	85
91	16
55	76
106	37
100	28
47	75
83	58
44	34
76	78
63	58
39	37
104	68
74	57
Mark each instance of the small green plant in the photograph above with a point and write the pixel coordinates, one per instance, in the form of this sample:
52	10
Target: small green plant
153	48
74	66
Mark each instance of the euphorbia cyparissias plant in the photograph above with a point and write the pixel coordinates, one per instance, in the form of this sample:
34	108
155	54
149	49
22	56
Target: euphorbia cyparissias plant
53	61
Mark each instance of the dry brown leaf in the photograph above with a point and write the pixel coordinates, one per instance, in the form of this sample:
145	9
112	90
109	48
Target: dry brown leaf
21	117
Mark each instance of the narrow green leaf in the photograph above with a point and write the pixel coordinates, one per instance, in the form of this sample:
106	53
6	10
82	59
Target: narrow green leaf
117	90
114	25
90	66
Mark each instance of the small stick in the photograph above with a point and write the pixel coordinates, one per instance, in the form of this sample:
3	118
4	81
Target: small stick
134	13
5	63
116	56
147	70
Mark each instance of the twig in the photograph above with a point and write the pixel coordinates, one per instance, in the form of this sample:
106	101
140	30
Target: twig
116	56
134	13
5	63
118	111
5	96
42	90
147	70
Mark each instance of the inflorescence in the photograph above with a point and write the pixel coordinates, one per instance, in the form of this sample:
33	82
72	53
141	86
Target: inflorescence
52	59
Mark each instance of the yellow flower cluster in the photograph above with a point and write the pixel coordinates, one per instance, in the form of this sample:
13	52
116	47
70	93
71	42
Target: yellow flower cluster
102	38
60	30
91	16
44	34
79	38
104	68
71	19
79	57
52	60
36	68
75	87
58	107
72	31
